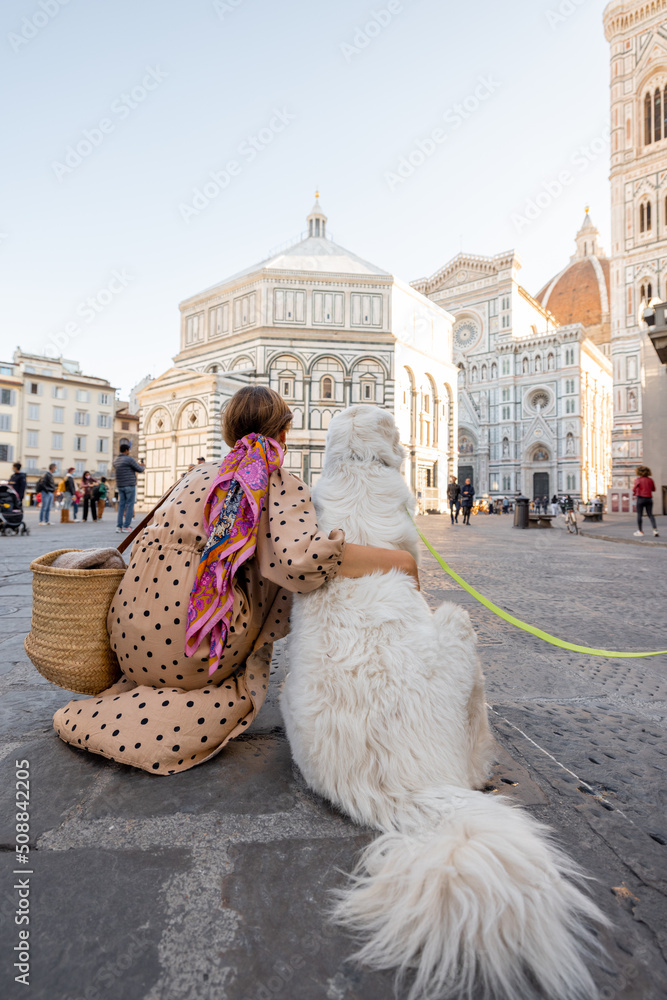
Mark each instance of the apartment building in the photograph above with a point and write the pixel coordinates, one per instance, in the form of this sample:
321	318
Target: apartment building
50	412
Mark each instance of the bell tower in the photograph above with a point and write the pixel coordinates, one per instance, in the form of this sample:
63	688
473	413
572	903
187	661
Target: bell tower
637	35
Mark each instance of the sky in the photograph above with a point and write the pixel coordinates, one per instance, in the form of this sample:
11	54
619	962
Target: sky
154	147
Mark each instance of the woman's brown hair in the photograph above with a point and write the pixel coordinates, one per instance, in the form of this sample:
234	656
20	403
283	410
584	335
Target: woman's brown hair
255	409
643	470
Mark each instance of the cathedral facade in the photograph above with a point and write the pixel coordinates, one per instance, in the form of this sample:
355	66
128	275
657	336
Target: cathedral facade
535	407
637	34
326	329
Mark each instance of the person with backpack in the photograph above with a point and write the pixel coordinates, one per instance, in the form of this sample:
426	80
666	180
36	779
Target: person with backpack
88	484
46	486
69	489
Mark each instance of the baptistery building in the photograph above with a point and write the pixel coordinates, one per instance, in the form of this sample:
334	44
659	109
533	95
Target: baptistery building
326	329
534	393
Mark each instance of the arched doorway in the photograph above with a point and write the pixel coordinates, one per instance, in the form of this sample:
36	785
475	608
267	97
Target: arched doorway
540	485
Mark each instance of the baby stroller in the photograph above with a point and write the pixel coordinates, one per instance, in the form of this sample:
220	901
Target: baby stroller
11	511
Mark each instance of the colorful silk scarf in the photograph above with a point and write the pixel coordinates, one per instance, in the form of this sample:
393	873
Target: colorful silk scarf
231	520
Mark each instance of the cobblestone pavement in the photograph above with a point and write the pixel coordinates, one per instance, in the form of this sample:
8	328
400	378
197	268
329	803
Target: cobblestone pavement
212	884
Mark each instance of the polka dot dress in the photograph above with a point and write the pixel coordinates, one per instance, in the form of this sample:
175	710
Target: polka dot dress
165	714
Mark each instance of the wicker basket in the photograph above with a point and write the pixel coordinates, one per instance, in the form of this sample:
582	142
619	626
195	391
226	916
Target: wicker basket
68	640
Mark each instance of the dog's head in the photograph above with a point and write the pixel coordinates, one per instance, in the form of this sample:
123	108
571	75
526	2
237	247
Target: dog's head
364	434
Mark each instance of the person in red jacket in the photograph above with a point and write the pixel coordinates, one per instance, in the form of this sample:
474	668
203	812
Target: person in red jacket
643	489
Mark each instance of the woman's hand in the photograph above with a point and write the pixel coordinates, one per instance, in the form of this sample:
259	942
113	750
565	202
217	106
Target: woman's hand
361	560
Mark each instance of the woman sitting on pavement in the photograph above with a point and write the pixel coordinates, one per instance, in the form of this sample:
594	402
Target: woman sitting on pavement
207	593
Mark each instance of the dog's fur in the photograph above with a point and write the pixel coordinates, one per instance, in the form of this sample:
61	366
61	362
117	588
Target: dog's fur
385	713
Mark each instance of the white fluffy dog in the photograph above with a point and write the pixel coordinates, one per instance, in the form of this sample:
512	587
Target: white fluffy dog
385	713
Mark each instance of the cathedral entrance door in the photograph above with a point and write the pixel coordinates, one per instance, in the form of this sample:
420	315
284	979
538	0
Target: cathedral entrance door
540	485
466	472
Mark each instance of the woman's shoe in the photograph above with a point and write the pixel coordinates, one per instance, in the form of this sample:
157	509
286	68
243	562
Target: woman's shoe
656	533
639	534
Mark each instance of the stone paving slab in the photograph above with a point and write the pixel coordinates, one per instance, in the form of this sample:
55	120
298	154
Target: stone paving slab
212	884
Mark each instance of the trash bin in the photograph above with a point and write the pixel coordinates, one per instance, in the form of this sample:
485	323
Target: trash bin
521	508
596	507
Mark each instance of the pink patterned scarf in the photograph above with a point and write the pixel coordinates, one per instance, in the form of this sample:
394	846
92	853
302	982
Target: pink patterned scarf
231	520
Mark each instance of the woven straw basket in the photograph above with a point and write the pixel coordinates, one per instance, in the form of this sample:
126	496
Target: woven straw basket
68	641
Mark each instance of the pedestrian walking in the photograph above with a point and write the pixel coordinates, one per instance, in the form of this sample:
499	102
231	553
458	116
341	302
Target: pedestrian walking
18	480
88	484
100	493
643	489
467	497
46	487
554	505
545	504
454	499
506	505
126	480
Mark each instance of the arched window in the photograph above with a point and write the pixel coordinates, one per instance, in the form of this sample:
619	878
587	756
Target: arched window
326	388
649	292
627	131
642	218
657	115
647	120
642	293
648	216
473	374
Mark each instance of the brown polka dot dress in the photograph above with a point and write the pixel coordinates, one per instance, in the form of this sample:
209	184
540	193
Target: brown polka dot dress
166	714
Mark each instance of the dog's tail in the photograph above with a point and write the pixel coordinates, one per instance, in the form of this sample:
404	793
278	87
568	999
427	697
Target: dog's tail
475	895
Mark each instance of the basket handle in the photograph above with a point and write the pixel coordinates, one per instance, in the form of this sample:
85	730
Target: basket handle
142	524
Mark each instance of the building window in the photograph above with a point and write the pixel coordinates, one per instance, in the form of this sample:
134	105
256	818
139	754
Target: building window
288	306
80	442
494	370
5	422
6	453
79	468
59	392
657	115
33	411
57	441
647	120
427	403
642	218
507	413
8	397
631	401
82	418
31	465
368	391
35	388
33	439
218	320
82	396
104	398
102	468
366	310
244	311
328	308
629	303
326	388
648	216
506	366
102	445
493	307
104	420
194	328
287	385
506	395
59	414
125	425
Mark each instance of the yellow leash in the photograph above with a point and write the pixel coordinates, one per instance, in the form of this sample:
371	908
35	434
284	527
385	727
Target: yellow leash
524	625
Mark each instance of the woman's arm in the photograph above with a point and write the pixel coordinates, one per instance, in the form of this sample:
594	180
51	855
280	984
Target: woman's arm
360	560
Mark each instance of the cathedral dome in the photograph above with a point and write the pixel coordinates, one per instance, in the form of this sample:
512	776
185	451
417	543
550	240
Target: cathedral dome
580	292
